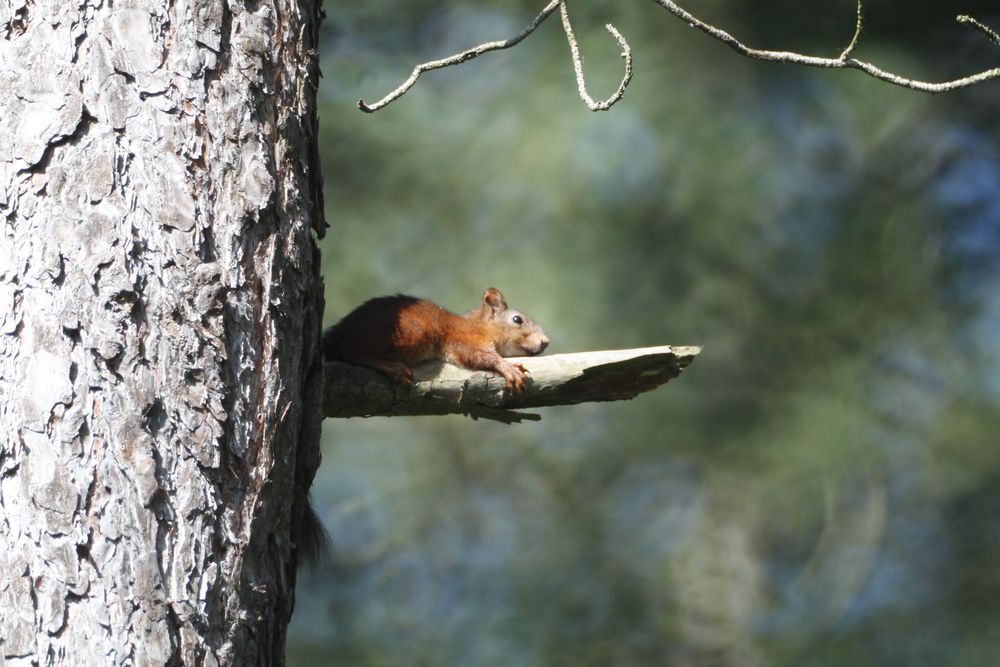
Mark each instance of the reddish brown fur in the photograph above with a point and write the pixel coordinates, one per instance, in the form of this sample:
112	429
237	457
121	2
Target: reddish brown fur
392	333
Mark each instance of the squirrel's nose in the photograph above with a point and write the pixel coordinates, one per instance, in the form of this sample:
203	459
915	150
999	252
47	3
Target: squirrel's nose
544	343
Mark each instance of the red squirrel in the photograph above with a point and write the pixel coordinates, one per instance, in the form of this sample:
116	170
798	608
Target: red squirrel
392	333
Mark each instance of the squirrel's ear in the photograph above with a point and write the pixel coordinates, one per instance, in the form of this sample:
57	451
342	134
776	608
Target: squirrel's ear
494	301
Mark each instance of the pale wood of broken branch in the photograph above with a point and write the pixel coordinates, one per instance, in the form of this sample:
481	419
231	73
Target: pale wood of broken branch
561	379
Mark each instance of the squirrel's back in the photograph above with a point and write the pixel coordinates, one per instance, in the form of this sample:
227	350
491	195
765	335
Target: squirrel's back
395	328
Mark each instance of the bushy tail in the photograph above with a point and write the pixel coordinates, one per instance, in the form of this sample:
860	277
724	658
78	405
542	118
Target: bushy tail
312	539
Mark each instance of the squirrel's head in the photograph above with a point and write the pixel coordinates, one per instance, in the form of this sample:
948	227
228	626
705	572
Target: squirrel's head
519	334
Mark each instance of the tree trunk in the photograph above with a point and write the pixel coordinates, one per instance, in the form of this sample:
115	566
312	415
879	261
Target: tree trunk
160	305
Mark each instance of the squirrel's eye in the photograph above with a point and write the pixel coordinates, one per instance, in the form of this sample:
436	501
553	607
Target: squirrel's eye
518	320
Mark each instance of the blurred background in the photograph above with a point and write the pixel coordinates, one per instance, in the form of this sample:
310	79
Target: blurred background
820	487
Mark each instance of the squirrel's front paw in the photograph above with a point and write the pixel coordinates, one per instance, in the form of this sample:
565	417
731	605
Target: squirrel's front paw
515	375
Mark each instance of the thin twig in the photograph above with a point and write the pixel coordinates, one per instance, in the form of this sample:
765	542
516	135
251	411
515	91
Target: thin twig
989	32
857	35
581	83
459	58
841	62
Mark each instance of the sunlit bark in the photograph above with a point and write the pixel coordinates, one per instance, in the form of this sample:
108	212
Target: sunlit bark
159	324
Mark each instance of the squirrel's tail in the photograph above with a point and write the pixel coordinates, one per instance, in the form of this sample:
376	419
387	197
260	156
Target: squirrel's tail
312	539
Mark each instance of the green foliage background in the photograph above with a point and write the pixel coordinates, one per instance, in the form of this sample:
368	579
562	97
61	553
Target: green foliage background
820	487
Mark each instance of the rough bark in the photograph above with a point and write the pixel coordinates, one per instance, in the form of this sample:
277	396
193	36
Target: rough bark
159	324
561	379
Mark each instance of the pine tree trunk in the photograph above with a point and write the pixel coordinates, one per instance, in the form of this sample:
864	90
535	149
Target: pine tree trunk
160	306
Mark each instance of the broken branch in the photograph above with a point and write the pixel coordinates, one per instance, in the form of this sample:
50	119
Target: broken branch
561	379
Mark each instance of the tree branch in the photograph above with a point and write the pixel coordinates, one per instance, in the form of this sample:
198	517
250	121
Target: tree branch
562	379
459	58
477	51
581	83
843	61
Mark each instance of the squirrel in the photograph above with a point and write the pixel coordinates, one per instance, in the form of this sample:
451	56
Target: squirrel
391	333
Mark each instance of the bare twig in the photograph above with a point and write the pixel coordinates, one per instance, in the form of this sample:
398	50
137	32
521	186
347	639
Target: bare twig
857	35
844	61
989	32
458	58
581	83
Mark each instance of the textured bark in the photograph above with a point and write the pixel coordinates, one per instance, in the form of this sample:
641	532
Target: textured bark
159	325
560	379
